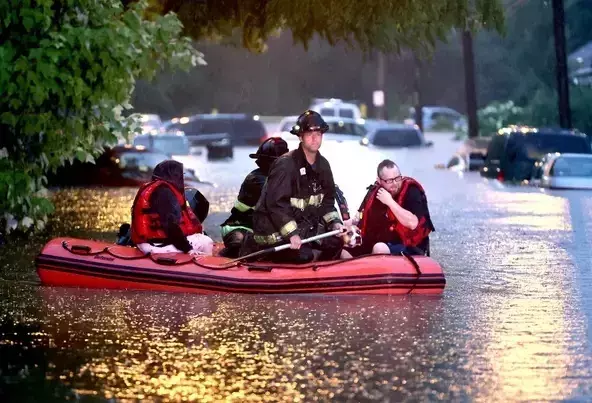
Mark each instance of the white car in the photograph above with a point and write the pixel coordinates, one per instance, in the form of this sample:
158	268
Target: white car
340	129
563	171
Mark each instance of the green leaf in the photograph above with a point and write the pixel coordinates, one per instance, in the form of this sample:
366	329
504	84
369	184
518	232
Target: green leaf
8	118
28	22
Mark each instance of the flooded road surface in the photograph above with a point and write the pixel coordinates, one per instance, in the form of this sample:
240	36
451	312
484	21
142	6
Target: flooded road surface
513	323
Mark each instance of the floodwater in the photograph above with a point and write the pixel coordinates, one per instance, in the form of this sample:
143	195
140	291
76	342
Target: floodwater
512	324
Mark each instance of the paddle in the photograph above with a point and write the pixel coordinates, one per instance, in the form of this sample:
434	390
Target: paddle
285	246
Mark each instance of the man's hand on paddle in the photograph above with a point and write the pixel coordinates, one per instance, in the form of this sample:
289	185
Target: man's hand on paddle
340	227
295	242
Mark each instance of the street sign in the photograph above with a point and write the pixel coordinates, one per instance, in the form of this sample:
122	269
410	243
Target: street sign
378	98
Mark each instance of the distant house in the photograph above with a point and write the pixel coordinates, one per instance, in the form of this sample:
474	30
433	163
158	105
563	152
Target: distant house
580	65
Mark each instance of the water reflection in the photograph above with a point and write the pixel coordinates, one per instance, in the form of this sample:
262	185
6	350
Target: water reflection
104	209
207	348
527	336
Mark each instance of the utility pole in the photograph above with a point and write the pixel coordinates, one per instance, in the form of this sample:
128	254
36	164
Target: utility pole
561	64
418	92
470	87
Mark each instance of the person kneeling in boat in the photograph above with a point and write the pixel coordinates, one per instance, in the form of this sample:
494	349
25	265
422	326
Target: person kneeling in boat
403	202
298	200
240	222
162	221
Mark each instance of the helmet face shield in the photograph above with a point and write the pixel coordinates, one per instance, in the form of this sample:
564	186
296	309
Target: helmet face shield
198	203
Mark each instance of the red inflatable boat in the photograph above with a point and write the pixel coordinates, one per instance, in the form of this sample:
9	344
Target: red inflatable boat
73	262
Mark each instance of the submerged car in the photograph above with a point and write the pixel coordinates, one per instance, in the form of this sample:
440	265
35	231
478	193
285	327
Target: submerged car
395	136
563	171
513	151
119	166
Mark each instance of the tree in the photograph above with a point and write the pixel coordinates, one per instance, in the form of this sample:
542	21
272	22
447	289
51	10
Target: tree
522	62
67	70
387	25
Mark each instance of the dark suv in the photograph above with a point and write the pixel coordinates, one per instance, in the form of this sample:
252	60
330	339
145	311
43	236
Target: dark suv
513	151
242	129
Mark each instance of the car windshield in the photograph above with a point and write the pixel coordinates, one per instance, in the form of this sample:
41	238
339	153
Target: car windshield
533	147
139	161
248	128
172	145
572	166
346	113
352	129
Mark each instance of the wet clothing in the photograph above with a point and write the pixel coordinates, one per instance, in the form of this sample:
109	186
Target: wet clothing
160	214
240	221
342	204
378	223
241	214
399	248
297	199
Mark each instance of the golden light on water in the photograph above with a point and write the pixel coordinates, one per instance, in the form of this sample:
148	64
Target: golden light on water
524	335
529	210
154	351
234	348
105	209
174	371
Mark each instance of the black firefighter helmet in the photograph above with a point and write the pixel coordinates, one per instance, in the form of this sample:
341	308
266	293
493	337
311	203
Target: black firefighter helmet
271	149
309	121
198	203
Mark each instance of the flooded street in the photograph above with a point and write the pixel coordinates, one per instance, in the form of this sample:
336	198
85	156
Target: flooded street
513	322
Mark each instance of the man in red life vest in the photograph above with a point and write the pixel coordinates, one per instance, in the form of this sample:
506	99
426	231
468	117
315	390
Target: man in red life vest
162	220
394	216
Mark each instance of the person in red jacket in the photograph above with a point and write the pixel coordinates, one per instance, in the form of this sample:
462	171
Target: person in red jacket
394	217
162	220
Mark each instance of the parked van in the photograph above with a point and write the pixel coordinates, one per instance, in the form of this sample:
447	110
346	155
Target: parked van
335	107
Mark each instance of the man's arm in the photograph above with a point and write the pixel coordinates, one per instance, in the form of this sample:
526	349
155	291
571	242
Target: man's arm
408	218
249	193
169	213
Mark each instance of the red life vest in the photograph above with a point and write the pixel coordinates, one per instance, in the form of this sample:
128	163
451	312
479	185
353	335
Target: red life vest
146	223
371	226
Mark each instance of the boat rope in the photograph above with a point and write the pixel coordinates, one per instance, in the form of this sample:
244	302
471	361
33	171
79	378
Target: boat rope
86	250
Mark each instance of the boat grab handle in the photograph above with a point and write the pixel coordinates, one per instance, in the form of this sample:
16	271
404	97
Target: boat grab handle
259	268
166	260
80	249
